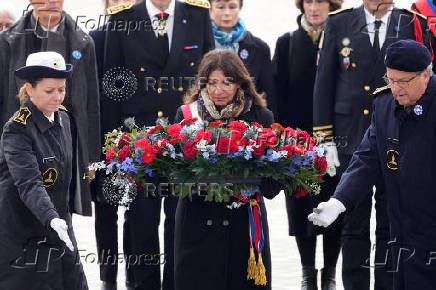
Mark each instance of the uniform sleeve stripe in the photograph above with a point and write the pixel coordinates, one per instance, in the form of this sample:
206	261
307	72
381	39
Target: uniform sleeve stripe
322	128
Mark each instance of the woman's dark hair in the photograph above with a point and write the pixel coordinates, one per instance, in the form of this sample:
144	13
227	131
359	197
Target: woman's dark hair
241	2
22	94
232	67
334	4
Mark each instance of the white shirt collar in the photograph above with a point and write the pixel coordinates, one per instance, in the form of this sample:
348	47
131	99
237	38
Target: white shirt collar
370	19
50	118
152	10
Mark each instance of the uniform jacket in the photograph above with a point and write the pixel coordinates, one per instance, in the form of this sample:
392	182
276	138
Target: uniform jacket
160	85
256	55
35	174
212	242
348	73
82	89
400	147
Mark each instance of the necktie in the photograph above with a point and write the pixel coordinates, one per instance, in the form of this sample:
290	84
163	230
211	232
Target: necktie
162	34
376	44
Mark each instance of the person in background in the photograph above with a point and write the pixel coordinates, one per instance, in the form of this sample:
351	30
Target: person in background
161	57
106	215
230	33
46	27
399	147
294	72
7	18
38	249
212	242
350	68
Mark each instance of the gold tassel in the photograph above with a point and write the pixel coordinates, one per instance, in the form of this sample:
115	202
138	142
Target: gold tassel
260	272
252	268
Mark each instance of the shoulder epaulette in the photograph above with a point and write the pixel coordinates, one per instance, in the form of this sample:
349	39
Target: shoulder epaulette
22	116
379	90
340	11
416	13
118	8
62	108
199	3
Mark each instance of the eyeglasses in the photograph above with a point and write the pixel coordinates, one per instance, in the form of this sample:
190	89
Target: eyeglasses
225	85
404	84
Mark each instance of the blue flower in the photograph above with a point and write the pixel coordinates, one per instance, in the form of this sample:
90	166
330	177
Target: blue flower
139	160
206	155
291	169
297	161
148	171
213	160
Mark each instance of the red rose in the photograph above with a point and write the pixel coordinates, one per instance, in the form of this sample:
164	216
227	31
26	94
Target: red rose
155	129
203	134
223	145
124	153
277	126
300	192
159	146
141	143
268	137
255	124
188	121
260	149
110	154
174	130
237	127
190	149
124	140
237	140
148	156
321	164
292	149
289	132
215	124
178	138
303	138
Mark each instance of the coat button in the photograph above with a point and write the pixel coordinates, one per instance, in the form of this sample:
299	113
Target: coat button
209	222
366	112
367	88
180	89
159	90
353	65
142	69
191	64
160	114
226	223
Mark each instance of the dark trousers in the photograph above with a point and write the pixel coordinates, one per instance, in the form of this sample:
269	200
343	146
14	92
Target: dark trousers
356	243
142	255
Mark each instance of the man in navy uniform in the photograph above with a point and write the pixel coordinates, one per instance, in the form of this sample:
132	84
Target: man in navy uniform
399	146
350	68
152	51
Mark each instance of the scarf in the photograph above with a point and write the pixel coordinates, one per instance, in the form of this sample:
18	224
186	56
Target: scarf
208	111
229	40
313	33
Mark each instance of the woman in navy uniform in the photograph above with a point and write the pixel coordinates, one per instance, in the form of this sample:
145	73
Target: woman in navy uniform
294	73
38	249
230	33
399	145
211	240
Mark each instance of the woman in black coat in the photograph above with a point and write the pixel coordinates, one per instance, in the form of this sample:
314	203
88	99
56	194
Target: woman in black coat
38	249
230	33
211	240
294	72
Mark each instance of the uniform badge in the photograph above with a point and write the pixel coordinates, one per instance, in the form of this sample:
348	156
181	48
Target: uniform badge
345	52
243	54
199	3
346	41
23	115
77	55
118	8
392	159
418	110
49	177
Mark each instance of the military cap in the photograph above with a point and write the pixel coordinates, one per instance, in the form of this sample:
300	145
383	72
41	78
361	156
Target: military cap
407	55
47	64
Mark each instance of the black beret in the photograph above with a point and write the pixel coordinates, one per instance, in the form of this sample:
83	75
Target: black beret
407	55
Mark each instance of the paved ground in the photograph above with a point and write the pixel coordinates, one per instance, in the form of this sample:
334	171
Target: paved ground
267	20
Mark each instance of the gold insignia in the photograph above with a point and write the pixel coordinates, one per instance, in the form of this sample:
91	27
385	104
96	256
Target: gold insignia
392	159
321	40
49	177
345	52
416	13
379	90
62	108
339	11
160	114
23	114
118	8
367	88
199	3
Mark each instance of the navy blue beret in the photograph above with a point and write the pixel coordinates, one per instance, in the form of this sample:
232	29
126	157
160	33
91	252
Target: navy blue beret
407	55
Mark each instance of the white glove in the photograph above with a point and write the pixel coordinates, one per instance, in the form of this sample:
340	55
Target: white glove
326	212
331	156
61	228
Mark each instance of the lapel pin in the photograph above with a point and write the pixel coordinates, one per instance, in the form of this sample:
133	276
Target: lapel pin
243	54
184	21
191	47
418	110
77	55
